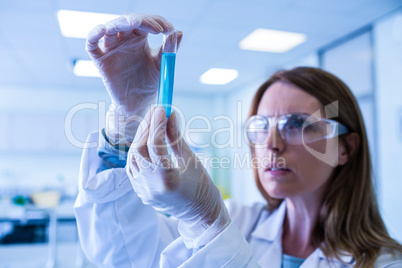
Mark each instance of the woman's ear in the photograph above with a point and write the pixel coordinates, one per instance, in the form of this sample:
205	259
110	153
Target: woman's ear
352	142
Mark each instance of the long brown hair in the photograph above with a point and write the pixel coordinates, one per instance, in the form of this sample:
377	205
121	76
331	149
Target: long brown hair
349	217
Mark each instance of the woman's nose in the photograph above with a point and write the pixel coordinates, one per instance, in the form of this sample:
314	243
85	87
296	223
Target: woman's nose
274	140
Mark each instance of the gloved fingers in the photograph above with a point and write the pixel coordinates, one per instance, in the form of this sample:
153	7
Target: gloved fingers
92	42
180	148
111	40
139	149
172	43
172	130
141	23
157	142
124	23
132	166
166	26
179	38
150	24
123	35
153	24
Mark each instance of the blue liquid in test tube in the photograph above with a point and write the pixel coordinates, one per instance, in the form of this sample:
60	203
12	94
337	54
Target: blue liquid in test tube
165	94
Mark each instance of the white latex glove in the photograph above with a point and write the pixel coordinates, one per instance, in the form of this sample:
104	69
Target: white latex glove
186	192
129	68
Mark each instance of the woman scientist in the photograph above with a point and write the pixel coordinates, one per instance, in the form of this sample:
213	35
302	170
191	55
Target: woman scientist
306	133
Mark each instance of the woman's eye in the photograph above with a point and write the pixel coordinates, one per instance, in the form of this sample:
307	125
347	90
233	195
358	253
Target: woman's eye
260	124
296	123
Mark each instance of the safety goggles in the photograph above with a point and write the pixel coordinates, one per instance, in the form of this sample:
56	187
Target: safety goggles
293	128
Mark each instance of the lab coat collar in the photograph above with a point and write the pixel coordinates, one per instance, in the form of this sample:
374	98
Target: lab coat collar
271	226
270	229
345	257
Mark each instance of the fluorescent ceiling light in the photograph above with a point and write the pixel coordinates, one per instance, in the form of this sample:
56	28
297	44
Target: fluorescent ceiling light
77	24
272	41
216	76
85	68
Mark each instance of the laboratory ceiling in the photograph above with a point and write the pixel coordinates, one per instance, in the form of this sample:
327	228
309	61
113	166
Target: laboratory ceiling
33	52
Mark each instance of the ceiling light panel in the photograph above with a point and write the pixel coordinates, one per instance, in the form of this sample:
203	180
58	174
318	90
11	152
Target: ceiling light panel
217	76
77	24
85	68
267	40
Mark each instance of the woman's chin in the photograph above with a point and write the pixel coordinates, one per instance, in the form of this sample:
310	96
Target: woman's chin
280	191
277	193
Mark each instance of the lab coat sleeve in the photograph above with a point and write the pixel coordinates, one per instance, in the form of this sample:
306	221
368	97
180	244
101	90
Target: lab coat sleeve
228	249
115	228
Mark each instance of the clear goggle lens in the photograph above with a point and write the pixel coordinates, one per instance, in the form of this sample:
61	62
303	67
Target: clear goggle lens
293	128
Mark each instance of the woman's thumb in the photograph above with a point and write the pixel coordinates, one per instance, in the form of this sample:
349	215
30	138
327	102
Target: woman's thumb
157	142
176	141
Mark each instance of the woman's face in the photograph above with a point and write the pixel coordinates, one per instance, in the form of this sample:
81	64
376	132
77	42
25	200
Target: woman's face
300	174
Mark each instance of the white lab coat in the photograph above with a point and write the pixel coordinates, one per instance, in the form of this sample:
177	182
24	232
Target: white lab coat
117	230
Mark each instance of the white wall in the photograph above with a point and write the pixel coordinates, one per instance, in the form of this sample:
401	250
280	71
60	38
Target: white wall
388	59
197	113
243	186
352	62
35	152
211	117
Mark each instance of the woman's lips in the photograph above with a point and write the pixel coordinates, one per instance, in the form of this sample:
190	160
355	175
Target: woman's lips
277	172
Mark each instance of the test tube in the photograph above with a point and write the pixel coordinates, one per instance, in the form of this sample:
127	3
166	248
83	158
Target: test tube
165	93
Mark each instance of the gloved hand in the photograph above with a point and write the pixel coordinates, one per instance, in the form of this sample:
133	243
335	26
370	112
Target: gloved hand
129	68
185	192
